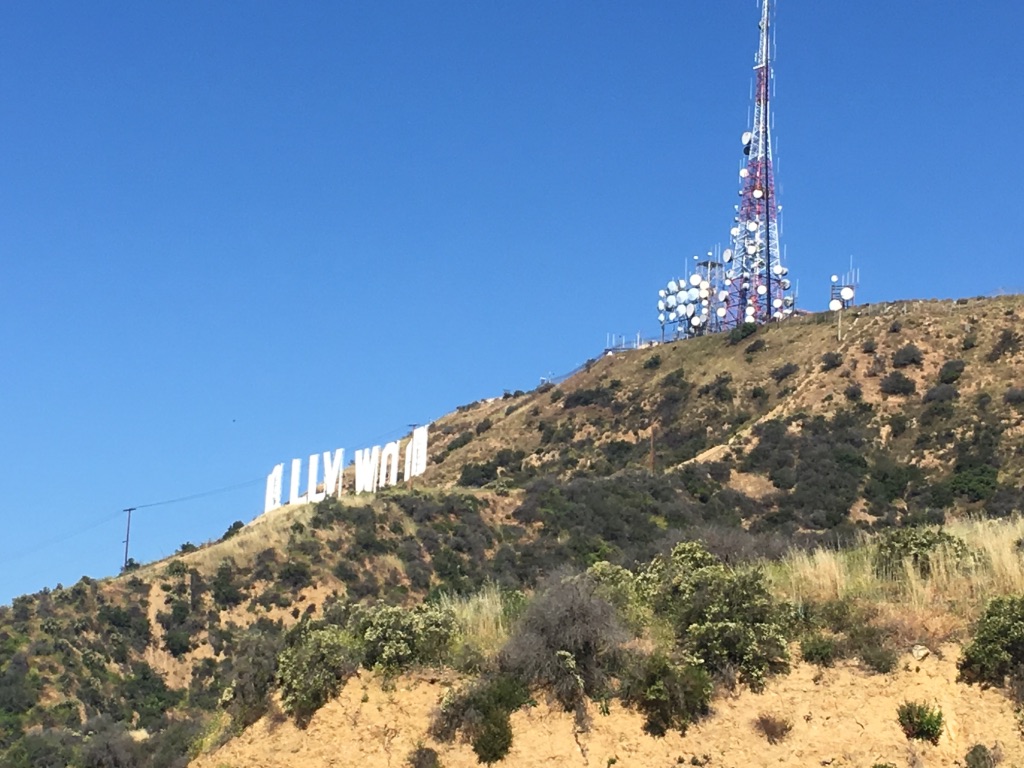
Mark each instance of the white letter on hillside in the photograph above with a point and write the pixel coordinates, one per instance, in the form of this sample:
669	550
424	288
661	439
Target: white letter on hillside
314	469
367	461
332	472
293	490
416	453
272	500
389	465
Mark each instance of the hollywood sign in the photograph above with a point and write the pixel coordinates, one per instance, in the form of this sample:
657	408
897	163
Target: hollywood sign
375	468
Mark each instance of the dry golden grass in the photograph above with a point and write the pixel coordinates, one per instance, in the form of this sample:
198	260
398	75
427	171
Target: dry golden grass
481	617
943	604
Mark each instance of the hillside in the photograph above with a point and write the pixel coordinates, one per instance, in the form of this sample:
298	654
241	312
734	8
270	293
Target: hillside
766	446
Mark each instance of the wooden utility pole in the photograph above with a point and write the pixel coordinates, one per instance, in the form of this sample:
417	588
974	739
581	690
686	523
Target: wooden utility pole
652	449
127	535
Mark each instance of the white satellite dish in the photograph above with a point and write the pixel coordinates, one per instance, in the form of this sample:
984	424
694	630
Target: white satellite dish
720	311
690	309
777	303
746	286
751	249
694	280
681	297
835	305
758	193
727	256
704	293
704	285
662	293
661	318
846	293
835	278
747	136
785	271
672	286
777	269
723	295
695	321
672	317
735	231
728	281
785	284
744	173
661	306
752	226
671	302
788	301
749	311
762	290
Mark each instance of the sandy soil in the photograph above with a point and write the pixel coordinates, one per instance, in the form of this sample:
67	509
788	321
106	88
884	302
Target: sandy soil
840	717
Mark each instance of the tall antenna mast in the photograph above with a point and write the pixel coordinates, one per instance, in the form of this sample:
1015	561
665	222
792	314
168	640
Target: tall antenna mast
756	281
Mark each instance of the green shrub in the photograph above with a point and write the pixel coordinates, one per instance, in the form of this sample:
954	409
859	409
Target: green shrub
481	712
723	616
853	393
897	384
740	332
869	346
423	757
1014	396
462	440
907	355
395	638
980	756
225	589
831	360
920	721
951	371
1008	343
755	346
819	648
482	426
670	694
652	363
784	372
313	668
997	649
232	530
918	545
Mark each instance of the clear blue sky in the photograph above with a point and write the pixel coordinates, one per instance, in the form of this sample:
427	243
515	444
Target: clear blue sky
234	233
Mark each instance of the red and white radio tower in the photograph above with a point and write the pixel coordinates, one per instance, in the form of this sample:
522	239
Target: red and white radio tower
756	287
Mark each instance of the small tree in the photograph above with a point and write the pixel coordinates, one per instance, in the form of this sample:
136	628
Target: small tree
312	670
897	384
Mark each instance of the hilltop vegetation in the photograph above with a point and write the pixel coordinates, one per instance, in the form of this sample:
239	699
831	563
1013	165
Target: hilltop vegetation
807	504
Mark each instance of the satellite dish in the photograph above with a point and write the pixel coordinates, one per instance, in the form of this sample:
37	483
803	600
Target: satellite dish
690	309
785	284
749	311
777	303
728	281
695	321
704	285
662	293
694	280
762	290
777	316
661	306
723	295
835	278
744	173
746	286
846	293
681	297
673	287
672	317
835	305
671	302
661	318
727	256
777	269
785	271
758	193
752	226
704	304
720	311
747	136
735	231
704	293
788	301
751	249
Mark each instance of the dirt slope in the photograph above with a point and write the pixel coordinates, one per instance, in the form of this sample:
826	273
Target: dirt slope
840	717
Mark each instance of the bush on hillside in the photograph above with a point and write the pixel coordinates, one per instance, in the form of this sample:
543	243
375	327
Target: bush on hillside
831	360
920	721
394	638
941	393
671	694
907	355
313	668
996	651
653	362
1008	343
951	371
897	383
740	332
251	673
481	713
784	372
725	617
920	546
566	642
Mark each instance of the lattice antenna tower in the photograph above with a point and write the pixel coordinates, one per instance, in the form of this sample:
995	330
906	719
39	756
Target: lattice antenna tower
756	285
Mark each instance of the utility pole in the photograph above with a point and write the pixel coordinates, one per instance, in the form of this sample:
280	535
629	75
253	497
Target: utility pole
127	535
652	449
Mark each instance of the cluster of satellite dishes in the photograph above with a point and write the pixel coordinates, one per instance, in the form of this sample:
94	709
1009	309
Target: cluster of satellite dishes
841	295
688	302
